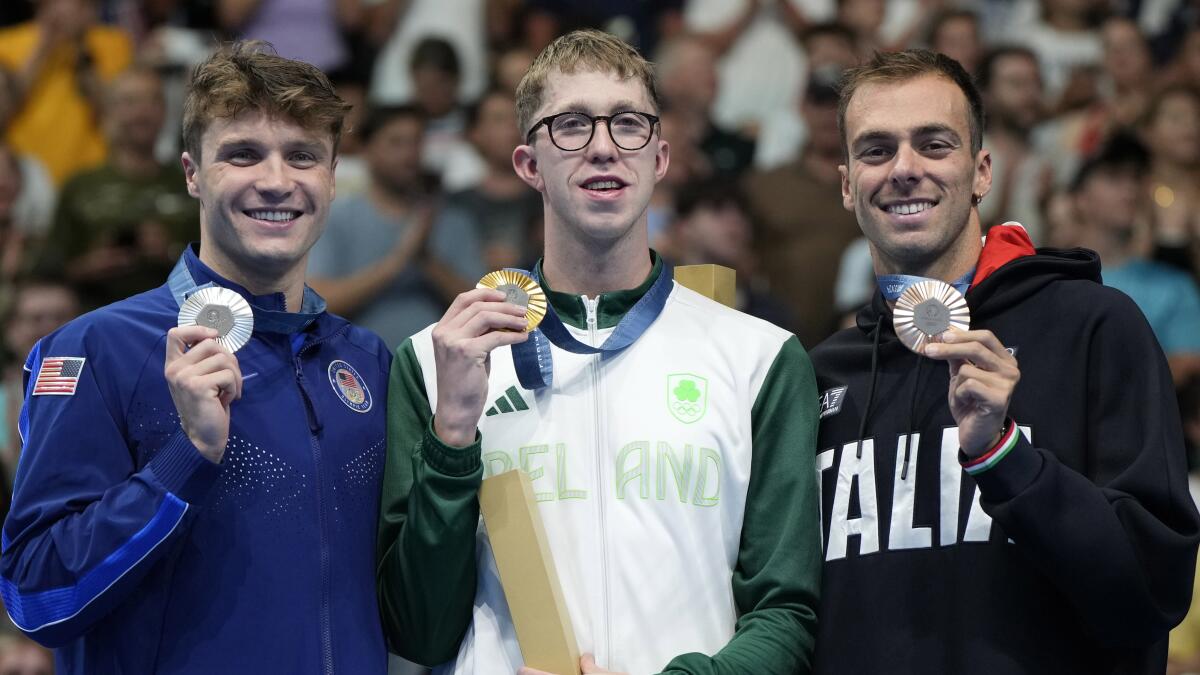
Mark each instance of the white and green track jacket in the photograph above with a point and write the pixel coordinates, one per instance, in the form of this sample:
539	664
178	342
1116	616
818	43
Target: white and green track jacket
675	479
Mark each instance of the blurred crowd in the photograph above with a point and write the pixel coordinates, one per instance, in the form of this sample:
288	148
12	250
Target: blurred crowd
1093	123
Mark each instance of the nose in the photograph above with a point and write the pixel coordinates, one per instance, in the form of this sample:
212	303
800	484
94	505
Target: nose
274	179
906	168
601	148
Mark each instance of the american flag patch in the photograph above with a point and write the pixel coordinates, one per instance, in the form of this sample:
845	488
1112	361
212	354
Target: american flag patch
58	376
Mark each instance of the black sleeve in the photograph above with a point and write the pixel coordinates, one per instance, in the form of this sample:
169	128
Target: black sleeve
1119	542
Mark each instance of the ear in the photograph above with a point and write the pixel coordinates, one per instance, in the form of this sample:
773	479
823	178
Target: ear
525	164
847	198
662	159
983	173
190	168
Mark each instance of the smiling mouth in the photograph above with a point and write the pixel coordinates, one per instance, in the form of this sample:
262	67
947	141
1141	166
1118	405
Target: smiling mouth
272	216
909	208
603	185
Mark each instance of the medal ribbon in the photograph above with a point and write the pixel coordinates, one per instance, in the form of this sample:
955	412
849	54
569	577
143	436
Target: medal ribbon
893	285
183	284
533	360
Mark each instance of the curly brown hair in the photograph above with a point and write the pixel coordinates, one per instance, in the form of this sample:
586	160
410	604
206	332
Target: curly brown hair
249	75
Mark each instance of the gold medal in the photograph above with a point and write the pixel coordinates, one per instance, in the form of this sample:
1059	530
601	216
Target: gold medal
928	309
222	309
521	290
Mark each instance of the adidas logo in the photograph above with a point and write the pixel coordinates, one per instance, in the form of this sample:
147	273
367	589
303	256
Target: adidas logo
510	402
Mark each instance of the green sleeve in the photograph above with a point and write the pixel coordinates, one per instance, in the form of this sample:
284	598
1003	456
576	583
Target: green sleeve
429	513
778	576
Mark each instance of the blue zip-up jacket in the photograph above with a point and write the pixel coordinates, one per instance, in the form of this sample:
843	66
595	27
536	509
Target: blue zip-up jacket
129	552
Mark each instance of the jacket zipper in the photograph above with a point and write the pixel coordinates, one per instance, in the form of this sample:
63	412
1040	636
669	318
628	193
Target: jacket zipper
598	417
314	428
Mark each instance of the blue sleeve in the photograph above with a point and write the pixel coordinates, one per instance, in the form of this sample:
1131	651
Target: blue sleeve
86	522
1182	333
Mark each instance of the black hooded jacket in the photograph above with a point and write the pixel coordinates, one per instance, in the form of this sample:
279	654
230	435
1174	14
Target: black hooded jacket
1073	554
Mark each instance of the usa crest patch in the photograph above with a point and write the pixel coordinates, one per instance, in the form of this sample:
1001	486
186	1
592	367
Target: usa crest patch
349	386
58	376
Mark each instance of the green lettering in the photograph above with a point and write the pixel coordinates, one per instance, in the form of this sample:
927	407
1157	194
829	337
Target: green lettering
699	498
642	448
560	451
681	469
526	453
496	457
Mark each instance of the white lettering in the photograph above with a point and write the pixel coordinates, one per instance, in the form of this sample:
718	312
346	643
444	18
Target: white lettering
902	534
841	525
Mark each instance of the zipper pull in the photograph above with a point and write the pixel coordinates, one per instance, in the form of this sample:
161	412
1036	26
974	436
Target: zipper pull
590	304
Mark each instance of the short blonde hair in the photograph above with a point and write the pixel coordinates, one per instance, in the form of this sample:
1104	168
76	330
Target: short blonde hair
587	49
250	76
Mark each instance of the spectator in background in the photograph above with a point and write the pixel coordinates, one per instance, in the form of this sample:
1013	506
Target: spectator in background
1171	129
687	82
39	306
760	66
502	210
1065	40
62	58
865	19
1109	195
397	26
351	171
688	165
645	25
35	204
955	33
305	30
1011	85
712	225
12	237
804	227
435	72
510	66
1116	101
386	260
21	656
830	49
120	227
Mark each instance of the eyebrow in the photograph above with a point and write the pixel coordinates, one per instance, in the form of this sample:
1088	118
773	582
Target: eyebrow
921	131
251	142
581	106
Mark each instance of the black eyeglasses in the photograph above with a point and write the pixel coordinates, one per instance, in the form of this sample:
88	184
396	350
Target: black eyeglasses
571	131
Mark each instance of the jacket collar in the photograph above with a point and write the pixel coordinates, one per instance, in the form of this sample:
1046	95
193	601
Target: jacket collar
270	311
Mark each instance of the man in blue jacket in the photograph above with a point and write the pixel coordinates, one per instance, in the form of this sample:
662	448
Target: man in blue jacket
182	509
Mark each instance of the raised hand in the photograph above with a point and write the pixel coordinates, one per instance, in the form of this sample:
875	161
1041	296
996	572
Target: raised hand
983	376
477	322
205	380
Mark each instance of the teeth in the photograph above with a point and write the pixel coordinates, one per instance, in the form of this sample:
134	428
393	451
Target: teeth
909	209
273	216
603	185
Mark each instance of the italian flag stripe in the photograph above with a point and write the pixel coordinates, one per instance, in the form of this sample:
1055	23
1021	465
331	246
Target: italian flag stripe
997	453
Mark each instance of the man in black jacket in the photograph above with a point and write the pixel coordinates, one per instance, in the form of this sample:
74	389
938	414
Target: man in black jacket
985	516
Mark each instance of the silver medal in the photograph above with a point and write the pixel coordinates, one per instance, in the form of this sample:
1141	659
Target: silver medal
222	309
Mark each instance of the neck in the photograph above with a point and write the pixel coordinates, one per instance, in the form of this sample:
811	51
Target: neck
134	162
257	280
594	267
949	267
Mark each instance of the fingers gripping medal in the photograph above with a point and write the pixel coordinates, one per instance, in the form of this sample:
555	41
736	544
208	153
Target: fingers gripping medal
520	290
222	309
928	309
